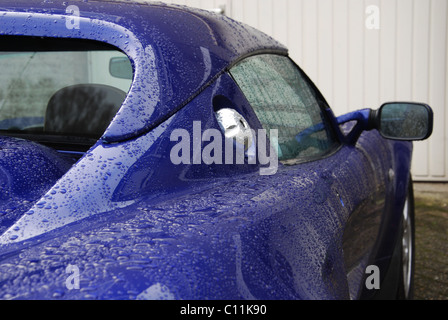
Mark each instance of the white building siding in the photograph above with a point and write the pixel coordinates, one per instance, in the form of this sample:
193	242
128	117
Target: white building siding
361	53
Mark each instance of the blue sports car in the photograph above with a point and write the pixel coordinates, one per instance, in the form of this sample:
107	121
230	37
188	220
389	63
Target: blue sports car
152	151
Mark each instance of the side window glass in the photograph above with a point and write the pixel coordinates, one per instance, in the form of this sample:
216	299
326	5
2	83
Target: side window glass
283	99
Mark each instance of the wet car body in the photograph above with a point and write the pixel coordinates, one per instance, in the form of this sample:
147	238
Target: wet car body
133	225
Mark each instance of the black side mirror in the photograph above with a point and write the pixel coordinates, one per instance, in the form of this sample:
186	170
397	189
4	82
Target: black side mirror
405	121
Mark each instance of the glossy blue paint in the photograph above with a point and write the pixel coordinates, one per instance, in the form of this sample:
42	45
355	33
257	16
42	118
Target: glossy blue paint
27	170
362	119
138	226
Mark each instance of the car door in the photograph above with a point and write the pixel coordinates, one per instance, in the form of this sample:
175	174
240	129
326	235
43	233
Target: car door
338	190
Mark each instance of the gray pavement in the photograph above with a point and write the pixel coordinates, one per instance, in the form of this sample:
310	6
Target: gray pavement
432	191
431	219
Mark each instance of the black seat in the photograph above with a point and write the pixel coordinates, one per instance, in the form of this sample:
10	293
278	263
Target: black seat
83	110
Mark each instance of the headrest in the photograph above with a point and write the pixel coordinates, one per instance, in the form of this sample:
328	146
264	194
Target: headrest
83	109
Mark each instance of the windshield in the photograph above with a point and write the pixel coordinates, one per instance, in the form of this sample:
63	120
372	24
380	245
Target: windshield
60	90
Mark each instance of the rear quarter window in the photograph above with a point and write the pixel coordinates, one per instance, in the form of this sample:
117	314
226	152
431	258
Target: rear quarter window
59	87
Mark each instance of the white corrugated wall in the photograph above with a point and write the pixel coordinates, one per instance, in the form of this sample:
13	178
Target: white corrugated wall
361	53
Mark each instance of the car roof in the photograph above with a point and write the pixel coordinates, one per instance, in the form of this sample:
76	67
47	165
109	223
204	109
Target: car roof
176	51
